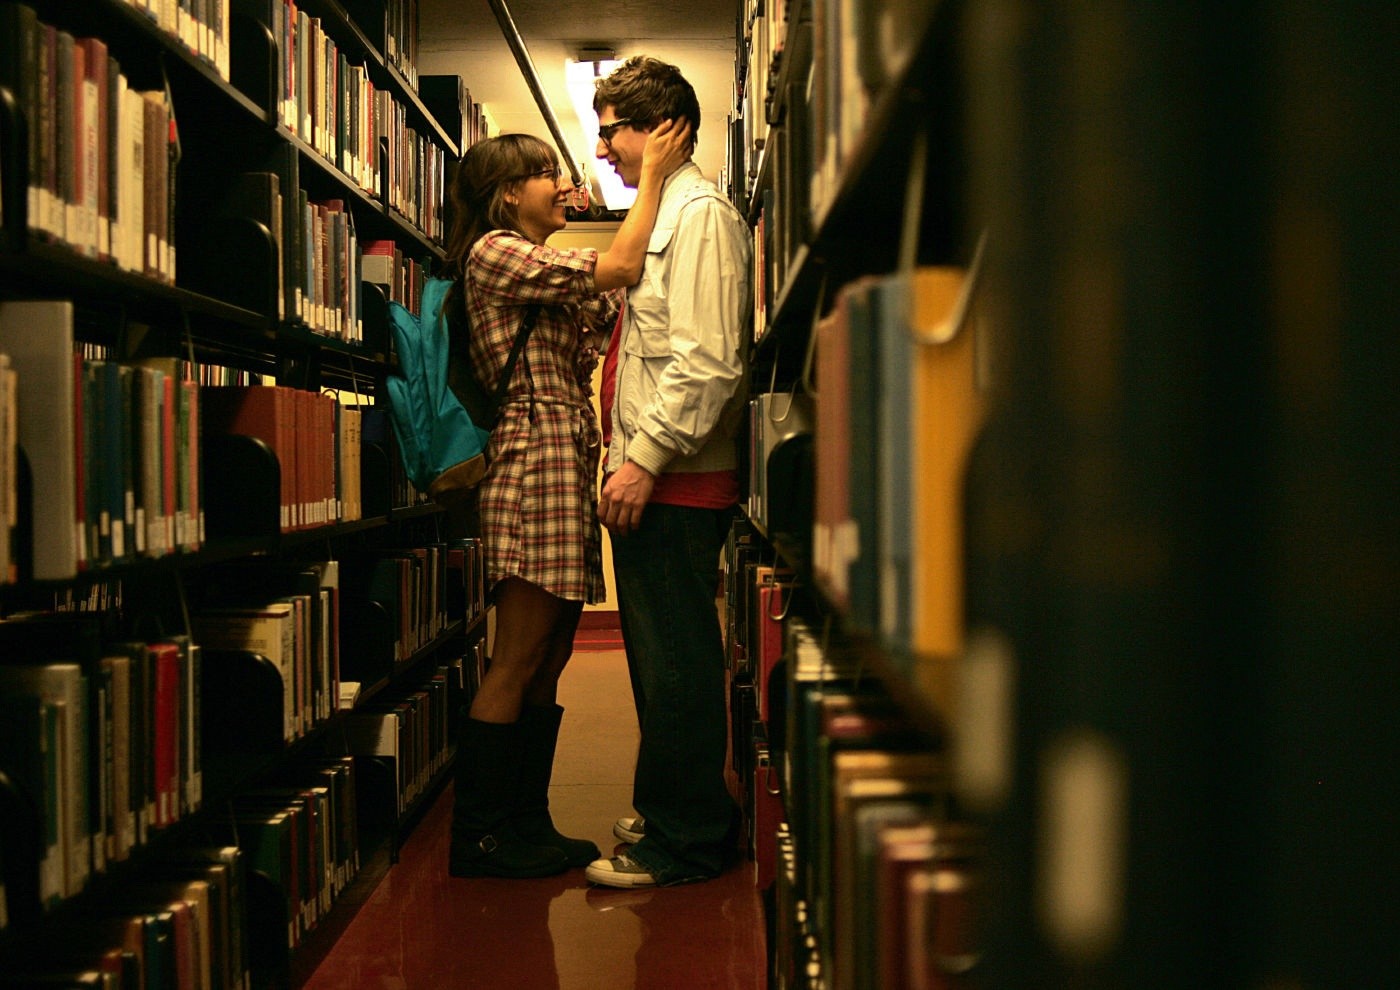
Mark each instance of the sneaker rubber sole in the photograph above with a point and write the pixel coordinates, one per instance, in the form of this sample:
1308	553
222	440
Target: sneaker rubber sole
620	871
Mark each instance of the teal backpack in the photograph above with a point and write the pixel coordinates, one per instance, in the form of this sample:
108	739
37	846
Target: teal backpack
443	445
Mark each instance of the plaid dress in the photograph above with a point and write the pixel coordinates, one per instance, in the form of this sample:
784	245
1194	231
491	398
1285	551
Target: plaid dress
539	499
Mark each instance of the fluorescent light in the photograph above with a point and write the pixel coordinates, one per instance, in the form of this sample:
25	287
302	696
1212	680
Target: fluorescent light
579	79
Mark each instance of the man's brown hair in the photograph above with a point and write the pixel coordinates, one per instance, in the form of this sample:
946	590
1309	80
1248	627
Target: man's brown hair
646	91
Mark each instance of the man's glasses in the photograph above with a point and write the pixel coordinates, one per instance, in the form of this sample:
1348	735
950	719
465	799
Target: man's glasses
606	132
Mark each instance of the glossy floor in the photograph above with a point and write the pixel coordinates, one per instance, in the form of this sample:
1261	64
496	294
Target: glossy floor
421	930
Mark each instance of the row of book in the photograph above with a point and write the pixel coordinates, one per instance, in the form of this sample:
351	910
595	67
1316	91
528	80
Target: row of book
201	25
760	43
465	120
287	615
332	105
139	459
104	745
742	548
384	263
102	156
316	441
901	372
467	592
316	264
184	925
847	809
410	588
320	624
918	878
757	597
777	236
416	183
771	93
806	89
106	739
758	593
218	916
859	50
302	833
111	448
762	304
437	583
780	198
868	811
326	101
114	449
780	204
405	742
401	37
331	299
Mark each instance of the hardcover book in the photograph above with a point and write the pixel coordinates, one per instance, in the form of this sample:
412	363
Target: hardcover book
63	686
858	777
268	631
31	761
266	412
946	411
38	336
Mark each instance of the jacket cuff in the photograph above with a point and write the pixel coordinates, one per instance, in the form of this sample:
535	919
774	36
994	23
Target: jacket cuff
649	454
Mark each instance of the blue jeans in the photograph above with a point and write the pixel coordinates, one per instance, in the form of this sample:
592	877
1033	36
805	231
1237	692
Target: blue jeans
666	573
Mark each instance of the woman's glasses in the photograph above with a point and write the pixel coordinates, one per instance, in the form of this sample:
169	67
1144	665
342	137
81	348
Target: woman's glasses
606	132
554	173
578	195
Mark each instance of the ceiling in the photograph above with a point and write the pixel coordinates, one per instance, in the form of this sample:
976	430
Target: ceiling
464	38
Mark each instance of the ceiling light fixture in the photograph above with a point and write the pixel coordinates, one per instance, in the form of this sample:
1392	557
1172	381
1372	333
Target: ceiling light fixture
580	78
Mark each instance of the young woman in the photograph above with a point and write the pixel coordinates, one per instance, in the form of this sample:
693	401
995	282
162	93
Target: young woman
538	500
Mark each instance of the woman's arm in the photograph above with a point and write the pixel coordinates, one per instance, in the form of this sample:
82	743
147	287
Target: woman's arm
667	148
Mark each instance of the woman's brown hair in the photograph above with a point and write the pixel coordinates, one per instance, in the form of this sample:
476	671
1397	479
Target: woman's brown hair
488	170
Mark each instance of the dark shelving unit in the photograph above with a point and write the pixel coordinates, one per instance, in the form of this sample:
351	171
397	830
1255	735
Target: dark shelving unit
223	309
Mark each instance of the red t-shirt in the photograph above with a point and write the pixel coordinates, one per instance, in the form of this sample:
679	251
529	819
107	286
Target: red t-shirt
695	490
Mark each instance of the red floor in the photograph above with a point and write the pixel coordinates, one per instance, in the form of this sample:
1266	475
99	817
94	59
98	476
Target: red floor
421	930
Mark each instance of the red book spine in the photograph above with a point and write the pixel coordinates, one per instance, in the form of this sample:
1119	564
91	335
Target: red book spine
167	731
268	413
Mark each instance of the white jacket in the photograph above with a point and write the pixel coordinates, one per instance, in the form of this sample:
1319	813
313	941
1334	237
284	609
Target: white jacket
679	400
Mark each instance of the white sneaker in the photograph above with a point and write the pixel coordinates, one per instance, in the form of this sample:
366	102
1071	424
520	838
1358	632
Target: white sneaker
630	829
620	871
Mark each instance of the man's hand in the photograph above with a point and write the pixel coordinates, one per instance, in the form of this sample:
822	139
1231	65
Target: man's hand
624	497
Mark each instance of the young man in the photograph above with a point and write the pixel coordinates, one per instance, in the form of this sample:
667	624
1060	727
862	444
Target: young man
668	497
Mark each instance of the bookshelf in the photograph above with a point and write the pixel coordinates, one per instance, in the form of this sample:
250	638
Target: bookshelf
234	638
851	168
1175	454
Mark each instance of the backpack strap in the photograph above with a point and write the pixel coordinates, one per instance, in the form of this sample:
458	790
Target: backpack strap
526	326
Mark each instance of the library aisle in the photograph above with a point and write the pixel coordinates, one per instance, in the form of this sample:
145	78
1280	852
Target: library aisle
422	930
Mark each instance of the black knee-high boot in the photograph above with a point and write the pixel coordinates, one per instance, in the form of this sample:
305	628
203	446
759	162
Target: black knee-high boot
484	841
539	731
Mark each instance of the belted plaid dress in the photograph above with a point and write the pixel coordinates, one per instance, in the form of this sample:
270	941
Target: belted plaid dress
539	499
